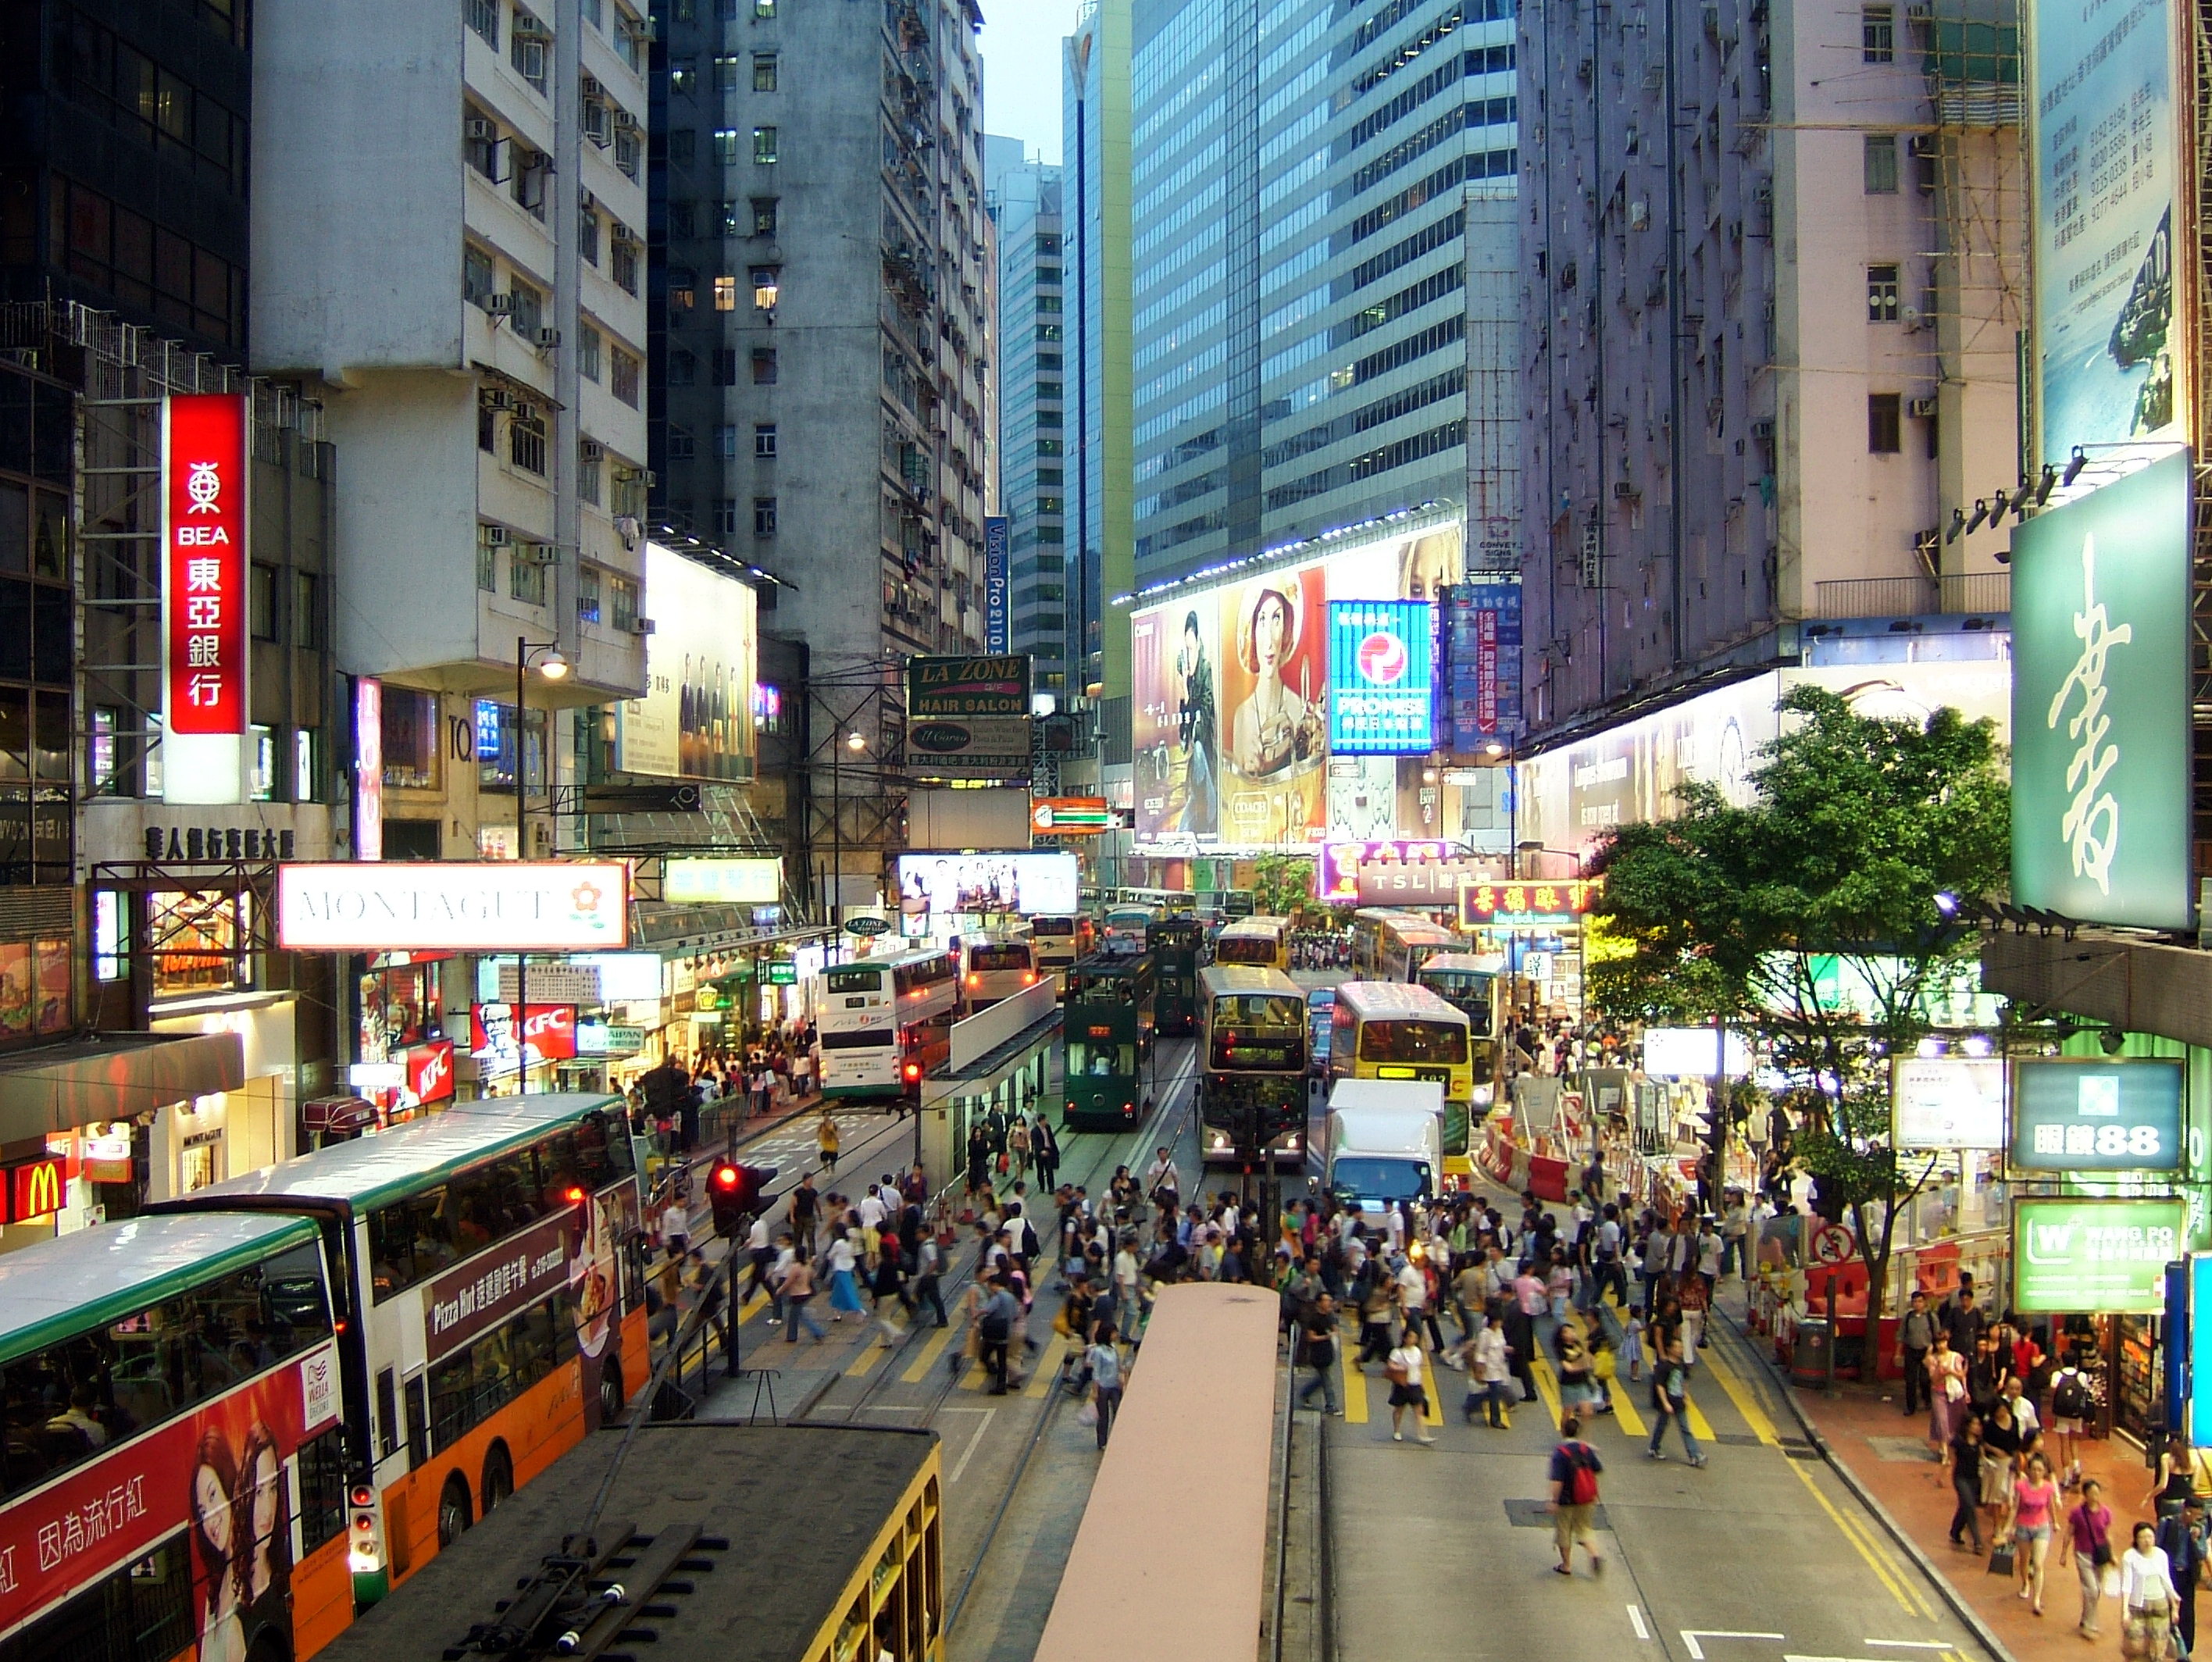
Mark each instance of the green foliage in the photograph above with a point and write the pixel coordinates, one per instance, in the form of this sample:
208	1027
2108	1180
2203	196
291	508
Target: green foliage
1750	915
1282	884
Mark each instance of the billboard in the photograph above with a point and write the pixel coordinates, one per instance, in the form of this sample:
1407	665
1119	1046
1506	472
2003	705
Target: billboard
456	905
1694	1052
2093	1257
1481	631
1232	697
2100	728
998	608
2109	338
1382	669
205	603
549	1034
1070	816
740	881
1029	884
968	718
2072	1115
1947	1102
701	660
1336	873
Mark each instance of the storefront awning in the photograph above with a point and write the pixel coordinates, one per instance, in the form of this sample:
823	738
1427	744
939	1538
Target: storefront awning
113	1075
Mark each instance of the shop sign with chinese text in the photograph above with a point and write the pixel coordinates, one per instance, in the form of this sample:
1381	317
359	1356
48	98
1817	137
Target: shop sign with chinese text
2072	1115
2093	1256
204	448
1520	904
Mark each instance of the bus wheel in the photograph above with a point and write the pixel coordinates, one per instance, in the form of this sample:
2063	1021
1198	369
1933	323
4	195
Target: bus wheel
611	1397
454	1514
498	1478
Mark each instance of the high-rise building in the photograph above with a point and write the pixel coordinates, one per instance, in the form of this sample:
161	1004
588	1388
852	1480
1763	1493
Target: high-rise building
1772	270
1309	180
469	304
124	183
1032	376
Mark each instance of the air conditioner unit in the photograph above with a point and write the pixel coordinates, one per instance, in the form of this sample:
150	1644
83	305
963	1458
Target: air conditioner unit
1624	490
500	306
547	339
496	398
641	626
495	536
477	127
648	478
1922	407
624	121
592	450
532	554
1762	428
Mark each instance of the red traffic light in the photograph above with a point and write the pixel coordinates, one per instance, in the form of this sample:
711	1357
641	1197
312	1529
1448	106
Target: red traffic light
914	1070
726	1176
363	1495
573	1194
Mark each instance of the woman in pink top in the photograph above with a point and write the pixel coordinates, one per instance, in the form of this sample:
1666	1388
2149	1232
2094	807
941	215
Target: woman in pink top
2034	1508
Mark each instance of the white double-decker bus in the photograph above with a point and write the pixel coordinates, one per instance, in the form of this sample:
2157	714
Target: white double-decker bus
885	1022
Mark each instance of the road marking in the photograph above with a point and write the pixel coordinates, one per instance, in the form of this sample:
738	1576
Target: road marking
1546	1387
1863	1547
1046	1373
865	1364
919	1369
1624	1410
1636	1621
1911	1644
981	1426
1355	1396
1700	1427
1432	1411
1691	1635
753	1307
1745	1404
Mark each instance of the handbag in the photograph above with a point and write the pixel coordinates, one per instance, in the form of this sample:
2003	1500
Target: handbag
1396	1371
2004	1557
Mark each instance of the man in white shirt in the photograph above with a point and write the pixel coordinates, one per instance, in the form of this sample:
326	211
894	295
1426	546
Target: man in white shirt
2023	1409
871	1208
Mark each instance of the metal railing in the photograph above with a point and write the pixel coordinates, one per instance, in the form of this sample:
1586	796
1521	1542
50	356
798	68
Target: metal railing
1960	594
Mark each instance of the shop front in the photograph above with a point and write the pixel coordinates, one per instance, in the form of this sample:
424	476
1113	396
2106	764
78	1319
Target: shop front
2096	1269
211	1136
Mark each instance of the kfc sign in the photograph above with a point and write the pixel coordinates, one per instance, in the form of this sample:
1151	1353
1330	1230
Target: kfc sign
203	595
431	1071
549	1033
34	1190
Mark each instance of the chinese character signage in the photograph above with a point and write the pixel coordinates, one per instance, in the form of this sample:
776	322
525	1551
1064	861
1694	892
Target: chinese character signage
1482	648
738	881
1522	903
968	718
2100	706
1948	1103
2075	1115
997	610
486	1289
1336	873
1380	659
2093	1257
204	597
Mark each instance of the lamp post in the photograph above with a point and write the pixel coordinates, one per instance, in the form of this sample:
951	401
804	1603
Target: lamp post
554	667
855	742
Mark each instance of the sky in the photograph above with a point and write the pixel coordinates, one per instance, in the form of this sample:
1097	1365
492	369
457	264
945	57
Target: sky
1021	71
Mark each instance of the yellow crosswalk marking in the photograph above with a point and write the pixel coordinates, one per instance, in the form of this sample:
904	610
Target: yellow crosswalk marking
1700	1427
753	1307
1046	1371
865	1364
1355	1396
918	1370
1745	1404
1432	1411
1624	1410
1546	1387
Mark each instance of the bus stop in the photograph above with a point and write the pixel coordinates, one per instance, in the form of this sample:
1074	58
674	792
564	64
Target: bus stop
1000	1064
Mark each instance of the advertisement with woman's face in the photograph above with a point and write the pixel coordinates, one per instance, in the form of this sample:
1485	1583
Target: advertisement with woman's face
1175	671
1275	696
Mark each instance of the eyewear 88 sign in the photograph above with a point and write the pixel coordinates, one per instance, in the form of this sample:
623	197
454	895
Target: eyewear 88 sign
203	576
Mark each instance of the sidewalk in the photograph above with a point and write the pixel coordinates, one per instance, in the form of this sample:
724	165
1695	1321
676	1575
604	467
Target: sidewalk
1884	1454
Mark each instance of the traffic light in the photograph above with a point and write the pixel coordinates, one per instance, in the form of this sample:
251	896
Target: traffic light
735	1192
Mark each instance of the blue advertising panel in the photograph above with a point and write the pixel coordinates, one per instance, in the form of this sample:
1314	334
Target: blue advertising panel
2072	1115
998	612
2200	1350
1482	652
1381	673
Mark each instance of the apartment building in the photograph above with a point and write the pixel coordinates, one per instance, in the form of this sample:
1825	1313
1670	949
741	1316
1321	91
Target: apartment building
448	227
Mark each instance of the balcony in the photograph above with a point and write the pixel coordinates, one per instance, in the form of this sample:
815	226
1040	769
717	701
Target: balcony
1957	596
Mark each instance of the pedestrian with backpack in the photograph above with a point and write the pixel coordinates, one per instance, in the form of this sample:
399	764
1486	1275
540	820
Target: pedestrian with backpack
1575	1469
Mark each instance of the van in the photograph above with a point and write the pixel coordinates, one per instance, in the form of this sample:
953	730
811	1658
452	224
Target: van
1383	1141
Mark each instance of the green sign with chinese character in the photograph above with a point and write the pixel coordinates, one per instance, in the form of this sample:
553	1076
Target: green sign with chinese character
782	974
2092	1257
2101	714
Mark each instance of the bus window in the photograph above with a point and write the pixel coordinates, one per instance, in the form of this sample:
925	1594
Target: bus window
853	981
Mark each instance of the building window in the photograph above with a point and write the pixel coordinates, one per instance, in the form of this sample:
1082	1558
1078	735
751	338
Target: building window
726	72
625	266
480	141
1049	447
726	516
682	366
307	611
763	10
588	594
763	516
683	224
476	276
1881	164
525	441
763	216
725	440
682	143
764	144
1882	293
487	557
587	352
262	610
483	18
684	78
681	445
525	573
764	442
768	285
525	48
587	472
529	307
726	146
726	294
1885	425
622	596
765	365
487	426
764	72
1878	34
683	289
726	366
587	237
625	376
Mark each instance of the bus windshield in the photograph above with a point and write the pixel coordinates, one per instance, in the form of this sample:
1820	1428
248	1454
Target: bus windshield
1258	1009
998	957
853	981
1412	1042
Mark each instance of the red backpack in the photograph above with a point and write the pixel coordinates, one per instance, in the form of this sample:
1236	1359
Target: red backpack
1582	1475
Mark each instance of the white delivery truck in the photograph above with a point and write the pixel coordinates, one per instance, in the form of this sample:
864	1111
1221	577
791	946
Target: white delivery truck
1383	1141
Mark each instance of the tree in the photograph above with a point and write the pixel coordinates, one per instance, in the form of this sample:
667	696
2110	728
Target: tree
1282	885
1820	919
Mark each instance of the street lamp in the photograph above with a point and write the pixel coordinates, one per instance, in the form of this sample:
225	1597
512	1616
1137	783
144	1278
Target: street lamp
855	743
554	667
1563	853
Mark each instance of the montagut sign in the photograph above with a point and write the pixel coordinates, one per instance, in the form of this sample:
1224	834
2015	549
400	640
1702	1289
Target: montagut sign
1525	902
461	906
203	596
489	1288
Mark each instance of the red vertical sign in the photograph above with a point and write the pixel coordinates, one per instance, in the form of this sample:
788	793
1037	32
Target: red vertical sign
204	588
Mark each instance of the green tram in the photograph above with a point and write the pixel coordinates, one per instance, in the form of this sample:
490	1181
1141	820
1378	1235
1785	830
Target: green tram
1176	942
1108	1022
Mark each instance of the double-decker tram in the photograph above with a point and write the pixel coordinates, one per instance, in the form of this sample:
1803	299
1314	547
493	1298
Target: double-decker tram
883	1023
1253	1037
1177	941
1108	1023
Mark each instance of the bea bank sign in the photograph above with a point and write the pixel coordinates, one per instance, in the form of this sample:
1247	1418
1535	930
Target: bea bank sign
2100	717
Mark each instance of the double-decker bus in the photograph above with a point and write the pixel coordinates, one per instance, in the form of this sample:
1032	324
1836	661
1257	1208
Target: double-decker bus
176	1446
489	1305
1130	923
1177	941
1391	945
1263	942
1108	1024
1060	942
1252	1034
1394	1030
995	966
1473	986
883	1023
